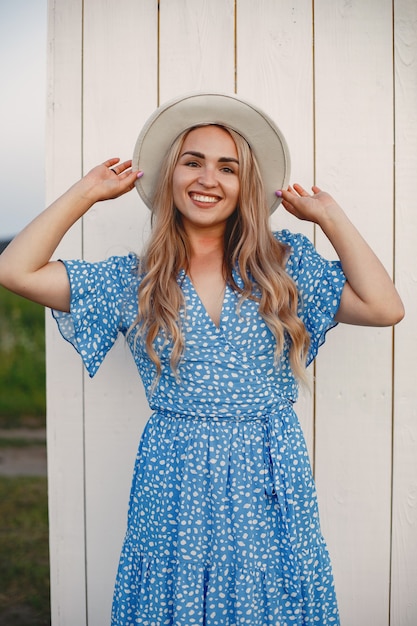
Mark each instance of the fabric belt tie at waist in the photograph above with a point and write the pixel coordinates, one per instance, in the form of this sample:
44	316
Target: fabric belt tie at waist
263	415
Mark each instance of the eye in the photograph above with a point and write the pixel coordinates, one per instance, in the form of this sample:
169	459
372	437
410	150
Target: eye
227	170
192	164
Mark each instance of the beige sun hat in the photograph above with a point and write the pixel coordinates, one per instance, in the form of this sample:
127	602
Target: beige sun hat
176	116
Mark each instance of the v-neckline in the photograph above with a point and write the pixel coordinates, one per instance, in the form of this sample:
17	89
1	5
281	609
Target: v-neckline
191	284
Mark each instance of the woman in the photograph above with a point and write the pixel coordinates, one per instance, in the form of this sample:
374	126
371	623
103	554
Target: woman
222	317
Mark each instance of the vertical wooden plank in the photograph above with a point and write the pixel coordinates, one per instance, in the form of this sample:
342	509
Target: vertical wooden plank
275	71
120	91
196	47
354	139
65	418
354	136
404	544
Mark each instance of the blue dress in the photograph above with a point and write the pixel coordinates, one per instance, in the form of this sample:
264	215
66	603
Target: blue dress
223	526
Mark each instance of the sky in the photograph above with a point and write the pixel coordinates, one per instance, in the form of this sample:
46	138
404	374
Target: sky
23	52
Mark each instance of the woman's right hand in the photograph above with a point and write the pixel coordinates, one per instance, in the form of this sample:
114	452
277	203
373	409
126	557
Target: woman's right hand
25	266
107	181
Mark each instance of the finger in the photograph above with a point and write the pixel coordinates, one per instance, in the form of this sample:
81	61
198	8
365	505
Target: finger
121	167
129	178
288	206
282	193
316	189
130	175
127	181
124	166
300	190
110	162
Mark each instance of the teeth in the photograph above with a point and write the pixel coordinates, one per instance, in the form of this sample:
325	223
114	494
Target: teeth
199	198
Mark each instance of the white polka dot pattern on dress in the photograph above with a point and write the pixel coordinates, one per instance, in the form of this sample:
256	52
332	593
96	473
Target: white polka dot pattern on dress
223	525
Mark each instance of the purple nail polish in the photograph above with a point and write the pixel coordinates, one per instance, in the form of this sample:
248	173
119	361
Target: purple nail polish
139	175
279	193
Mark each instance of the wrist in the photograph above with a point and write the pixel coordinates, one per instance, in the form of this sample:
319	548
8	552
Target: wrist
333	217
83	194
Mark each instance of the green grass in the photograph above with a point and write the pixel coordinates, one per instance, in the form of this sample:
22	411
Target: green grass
17	442
24	560
22	362
24	556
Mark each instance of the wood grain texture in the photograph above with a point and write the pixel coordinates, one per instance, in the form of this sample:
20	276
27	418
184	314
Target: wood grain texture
404	539
324	71
120	91
65	414
275	71
196	47
354	161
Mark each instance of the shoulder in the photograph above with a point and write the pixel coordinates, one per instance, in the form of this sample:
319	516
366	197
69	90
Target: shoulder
126	268
298	246
304	264
115	269
293	240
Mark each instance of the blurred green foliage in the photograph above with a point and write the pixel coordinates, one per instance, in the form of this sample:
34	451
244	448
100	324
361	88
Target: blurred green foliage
24	560
22	362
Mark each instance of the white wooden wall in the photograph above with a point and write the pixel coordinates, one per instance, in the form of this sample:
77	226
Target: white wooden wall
340	78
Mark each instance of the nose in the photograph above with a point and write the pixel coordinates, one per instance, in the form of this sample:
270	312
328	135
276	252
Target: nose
207	177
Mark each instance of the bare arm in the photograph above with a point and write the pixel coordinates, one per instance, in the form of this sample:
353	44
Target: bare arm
369	297
25	265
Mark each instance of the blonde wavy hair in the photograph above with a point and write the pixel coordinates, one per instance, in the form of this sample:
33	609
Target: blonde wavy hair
249	245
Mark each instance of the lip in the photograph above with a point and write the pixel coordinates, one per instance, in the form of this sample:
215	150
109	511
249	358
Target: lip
202	199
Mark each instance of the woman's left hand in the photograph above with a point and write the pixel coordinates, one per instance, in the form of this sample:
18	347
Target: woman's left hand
369	296
313	208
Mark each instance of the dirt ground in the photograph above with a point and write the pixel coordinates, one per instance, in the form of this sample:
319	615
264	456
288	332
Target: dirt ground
23	460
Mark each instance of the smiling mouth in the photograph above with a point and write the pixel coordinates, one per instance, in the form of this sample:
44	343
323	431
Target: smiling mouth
203	198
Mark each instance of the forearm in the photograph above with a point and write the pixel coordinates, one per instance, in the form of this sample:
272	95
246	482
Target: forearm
369	296
377	301
34	246
25	266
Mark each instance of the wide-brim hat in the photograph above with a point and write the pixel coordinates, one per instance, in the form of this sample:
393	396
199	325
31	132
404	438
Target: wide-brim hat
171	119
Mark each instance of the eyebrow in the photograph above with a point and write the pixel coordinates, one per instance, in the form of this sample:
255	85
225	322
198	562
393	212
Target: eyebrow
200	155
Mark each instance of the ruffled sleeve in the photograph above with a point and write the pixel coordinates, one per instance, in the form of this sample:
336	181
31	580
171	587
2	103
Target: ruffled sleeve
320	283
103	303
